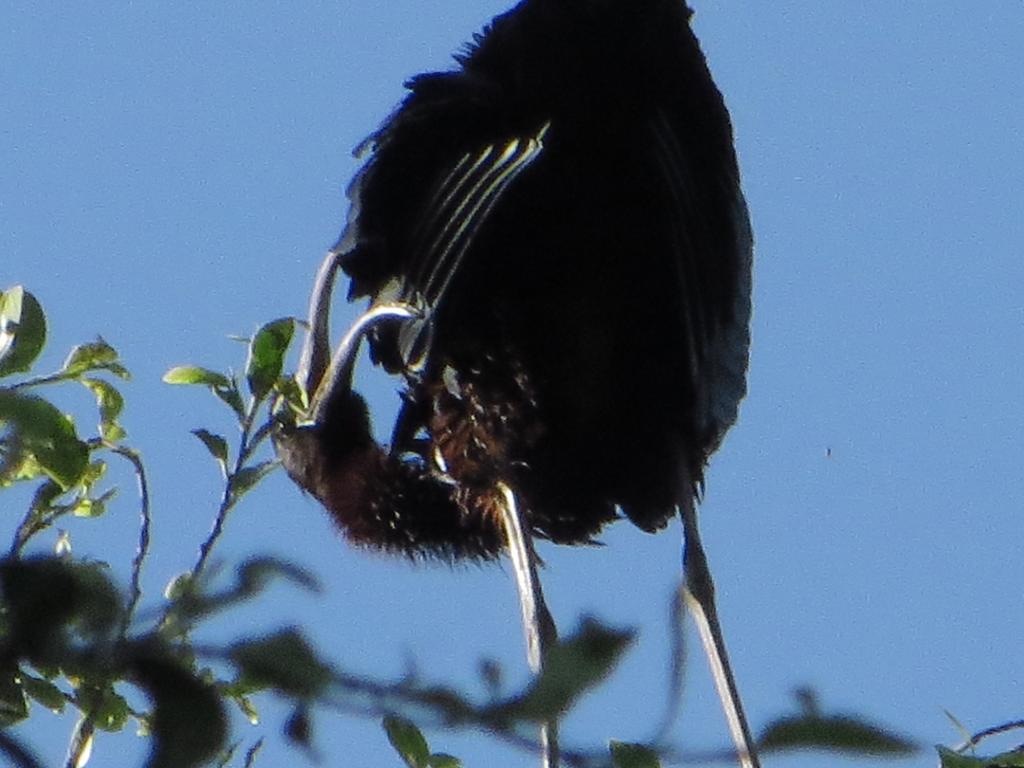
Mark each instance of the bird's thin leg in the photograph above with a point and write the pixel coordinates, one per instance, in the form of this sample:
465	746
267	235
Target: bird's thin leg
538	626
698	591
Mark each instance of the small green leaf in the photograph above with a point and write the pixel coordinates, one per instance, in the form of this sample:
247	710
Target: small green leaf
45	692
266	355
443	760
113	712
110	403
221	386
294	395
570	668
950	759
408	742
965	734
248	708
255	573
93	473
178	587
193	374
216	445
284	661
47	435
93	507
247	477
13	705
839	733
22	330
233	398
625	755
95	356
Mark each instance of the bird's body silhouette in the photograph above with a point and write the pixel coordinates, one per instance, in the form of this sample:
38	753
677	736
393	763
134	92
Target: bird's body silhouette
557	257
564	212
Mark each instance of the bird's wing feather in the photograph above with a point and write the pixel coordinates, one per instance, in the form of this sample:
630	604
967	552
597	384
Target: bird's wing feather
712	249
454	215
440	164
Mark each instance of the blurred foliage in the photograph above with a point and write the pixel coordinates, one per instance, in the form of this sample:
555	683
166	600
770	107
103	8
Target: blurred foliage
71	639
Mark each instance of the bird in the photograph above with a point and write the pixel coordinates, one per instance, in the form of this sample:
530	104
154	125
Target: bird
556	255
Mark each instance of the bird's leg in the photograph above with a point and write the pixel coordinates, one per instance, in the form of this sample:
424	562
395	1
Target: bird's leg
538	626
698	590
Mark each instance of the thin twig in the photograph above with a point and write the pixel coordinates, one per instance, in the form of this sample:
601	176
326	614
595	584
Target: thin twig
81	739
18	753
39	381
251	754
145	524
227	499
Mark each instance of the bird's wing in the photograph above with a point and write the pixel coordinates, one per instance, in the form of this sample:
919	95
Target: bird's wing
454	214
712	249
440	164
687	248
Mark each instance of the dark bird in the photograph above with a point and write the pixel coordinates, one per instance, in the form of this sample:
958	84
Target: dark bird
557	258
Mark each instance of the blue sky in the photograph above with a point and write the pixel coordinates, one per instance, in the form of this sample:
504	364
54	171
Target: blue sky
172	174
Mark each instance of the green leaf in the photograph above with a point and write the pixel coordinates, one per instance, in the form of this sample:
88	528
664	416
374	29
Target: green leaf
266	355
113	712
13	706
221	386
216	445
838	733
47	596
22	330
93	507
95	356
625	755
570	668
294	395
47	435
254	574
233	398
188	724
45	692
93	473
950	759
248	708
179	587
193	374
247	477
408	742
284	661
110	404
443	760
